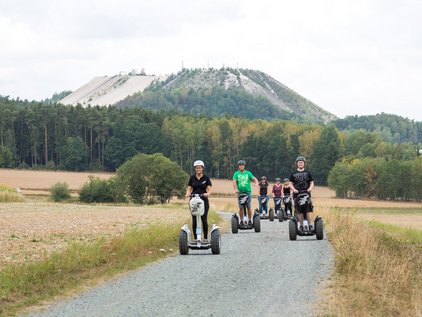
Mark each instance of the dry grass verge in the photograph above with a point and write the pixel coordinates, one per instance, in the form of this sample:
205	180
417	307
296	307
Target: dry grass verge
376	273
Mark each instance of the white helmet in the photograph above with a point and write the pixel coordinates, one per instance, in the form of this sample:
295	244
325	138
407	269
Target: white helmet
198	163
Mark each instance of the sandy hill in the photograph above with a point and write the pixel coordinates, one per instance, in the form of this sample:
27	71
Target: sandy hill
107	90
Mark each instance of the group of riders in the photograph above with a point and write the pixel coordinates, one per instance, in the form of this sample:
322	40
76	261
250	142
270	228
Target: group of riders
300	181
279	191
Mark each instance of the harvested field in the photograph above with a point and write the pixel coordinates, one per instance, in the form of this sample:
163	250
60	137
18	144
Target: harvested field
40	181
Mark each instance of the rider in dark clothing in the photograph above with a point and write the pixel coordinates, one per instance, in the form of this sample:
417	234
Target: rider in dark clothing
287	191
200	184
301	181
263	192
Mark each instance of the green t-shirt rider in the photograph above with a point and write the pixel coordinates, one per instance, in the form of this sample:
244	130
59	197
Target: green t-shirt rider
242	185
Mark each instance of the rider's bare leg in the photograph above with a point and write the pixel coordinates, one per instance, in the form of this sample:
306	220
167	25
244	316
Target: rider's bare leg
309	218
250	214
301	218
241	214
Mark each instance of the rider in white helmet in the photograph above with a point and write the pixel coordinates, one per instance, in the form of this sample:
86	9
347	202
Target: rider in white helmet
201	184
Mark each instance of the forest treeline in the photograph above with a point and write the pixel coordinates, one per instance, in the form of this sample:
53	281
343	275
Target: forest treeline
54	136
377	178
391	128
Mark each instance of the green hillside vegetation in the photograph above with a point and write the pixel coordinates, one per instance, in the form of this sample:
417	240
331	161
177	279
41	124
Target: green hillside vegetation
307	111
213	102
235	92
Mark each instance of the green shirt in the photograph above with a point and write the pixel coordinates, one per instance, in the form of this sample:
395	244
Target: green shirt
243	181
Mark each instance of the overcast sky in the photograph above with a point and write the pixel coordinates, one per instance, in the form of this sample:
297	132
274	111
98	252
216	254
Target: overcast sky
349	57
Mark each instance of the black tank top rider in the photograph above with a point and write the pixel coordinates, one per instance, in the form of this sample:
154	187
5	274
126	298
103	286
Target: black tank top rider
263	188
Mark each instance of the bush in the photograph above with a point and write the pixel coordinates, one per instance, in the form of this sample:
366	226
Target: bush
60	191
151	178
101	191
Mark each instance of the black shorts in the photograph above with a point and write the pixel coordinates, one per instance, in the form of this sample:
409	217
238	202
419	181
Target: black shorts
308	207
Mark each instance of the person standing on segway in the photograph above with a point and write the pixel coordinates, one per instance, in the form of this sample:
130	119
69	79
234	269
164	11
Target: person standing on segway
277	188
263	186
277	193
242	184
287	191
200	184
301	181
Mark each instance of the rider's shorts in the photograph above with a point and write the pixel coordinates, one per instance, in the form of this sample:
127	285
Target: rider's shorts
249	200
305	208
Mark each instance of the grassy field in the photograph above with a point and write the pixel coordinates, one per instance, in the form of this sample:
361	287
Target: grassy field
48	249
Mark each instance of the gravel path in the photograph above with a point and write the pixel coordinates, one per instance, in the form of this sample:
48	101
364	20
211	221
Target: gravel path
256	274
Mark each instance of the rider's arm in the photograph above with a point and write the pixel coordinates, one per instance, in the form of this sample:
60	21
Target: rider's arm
208	191
235	186
292	187
189	191
311	186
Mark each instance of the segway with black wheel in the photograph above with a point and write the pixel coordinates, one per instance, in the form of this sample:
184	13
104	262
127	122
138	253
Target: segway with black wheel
278	209
197	208
264	215
287	212
304	204
255	223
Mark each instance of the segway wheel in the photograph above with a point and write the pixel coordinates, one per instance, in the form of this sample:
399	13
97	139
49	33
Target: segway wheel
292	230
271	214
257	223
235	225
183	242
215	241
319	229
281	215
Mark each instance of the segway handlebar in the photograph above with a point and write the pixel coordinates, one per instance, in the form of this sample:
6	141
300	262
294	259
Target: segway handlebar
195	195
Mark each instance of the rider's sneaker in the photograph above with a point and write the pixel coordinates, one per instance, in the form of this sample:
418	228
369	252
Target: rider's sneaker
241	224
301	228
249	222
311	228
205	241
305	228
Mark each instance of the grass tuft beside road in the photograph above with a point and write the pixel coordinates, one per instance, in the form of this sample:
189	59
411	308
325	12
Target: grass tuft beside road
378	272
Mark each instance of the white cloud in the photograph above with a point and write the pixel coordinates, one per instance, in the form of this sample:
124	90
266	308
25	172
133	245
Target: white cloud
359	57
